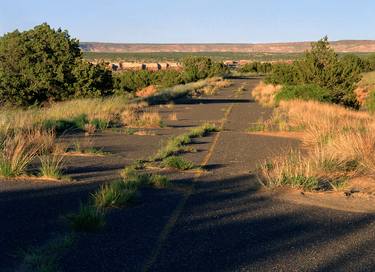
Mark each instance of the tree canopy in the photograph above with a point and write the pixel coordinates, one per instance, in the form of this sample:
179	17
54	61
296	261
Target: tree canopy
44	64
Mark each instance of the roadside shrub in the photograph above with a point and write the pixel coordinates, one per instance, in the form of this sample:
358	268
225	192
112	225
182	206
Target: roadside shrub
130	81
91	80
321	66
371	62
218	69
167	78
303	92
282	73
196	68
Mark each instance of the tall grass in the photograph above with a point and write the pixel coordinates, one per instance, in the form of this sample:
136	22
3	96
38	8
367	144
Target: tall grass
51	166
339	144
18	148
88	218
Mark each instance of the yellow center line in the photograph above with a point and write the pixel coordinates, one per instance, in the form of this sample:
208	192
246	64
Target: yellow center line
176	213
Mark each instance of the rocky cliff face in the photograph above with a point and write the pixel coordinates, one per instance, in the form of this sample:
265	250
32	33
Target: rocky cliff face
291	47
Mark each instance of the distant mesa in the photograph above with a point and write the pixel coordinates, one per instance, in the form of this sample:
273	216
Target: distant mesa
289	47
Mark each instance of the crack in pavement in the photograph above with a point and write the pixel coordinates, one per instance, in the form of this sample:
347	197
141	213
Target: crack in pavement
177	212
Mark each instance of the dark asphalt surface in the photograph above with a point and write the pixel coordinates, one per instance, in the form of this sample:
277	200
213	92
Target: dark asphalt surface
228	223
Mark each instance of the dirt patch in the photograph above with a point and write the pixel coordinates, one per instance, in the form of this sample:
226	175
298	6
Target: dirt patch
282	134
359	197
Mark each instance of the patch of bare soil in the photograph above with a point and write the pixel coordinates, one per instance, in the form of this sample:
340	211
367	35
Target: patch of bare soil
282	134
359	196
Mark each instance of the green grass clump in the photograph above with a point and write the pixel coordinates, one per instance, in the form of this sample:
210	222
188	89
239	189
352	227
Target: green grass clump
51	166
203	130
100	123
89	218
304	92
61	125
177	163
174	146
178	144
116	194
159	181
46	258
6	169
131	174
255	127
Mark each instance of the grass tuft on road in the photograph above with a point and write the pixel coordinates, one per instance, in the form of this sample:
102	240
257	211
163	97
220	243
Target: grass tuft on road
88	219
177	162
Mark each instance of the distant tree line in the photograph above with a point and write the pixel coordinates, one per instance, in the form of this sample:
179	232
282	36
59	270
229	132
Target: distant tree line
43	65
193	69
256	67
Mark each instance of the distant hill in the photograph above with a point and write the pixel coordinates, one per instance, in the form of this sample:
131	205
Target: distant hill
289	47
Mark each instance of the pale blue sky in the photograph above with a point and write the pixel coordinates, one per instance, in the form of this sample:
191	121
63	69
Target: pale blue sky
162	21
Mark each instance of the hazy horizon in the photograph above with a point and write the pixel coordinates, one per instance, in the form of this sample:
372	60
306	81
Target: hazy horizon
209	21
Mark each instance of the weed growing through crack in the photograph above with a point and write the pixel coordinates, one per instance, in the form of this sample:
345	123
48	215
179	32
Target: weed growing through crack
46	257
159	181
89	218
178	144
115	194
177	162
51	166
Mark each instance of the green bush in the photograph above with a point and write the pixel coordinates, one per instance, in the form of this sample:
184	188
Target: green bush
283	73
196	68
370	102
256	67
218	69
370	61
322	67
167	78
130	81
44	64
303	92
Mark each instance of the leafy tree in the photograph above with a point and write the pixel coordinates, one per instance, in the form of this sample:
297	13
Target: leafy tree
256	67
91	80
283	73
196	68
218	69
322	67
371	62
43	64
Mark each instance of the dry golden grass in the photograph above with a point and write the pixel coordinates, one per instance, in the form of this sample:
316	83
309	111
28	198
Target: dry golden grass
173	116
141	119
339	144
213	85
19	148
106	109
223	83
265	93
148	91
